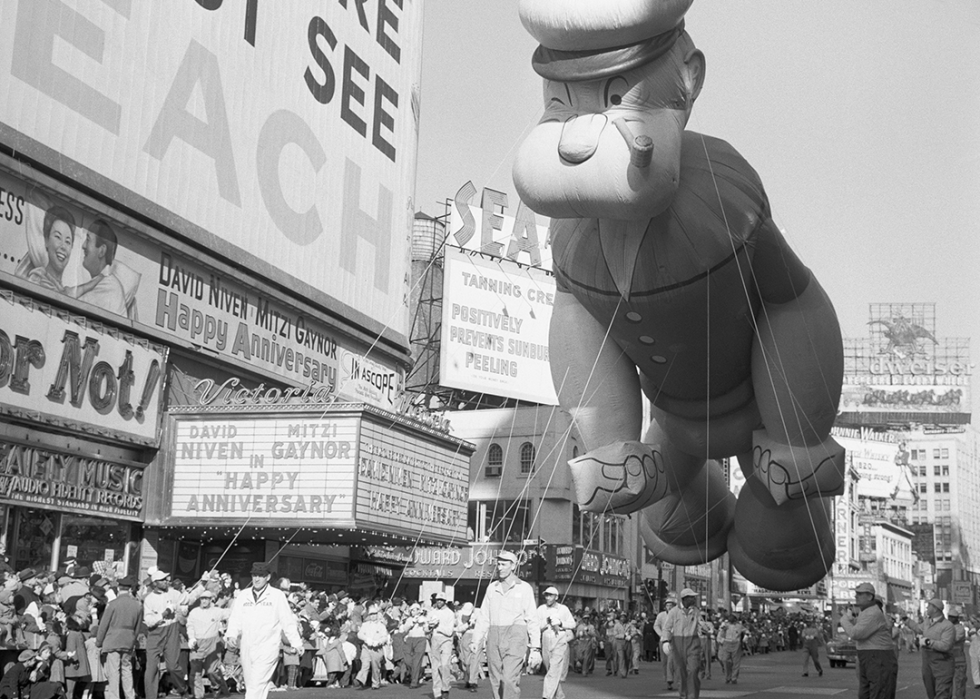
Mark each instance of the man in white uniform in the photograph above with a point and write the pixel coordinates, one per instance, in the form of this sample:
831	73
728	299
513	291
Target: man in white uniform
260	617
557	626
508	621
441	622
658	627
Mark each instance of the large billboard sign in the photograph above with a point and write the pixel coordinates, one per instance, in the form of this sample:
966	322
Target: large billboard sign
489	229
905	372
495	319
60	369
99	266
283	134
332	468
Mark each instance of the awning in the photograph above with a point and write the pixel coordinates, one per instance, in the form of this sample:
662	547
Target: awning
898	594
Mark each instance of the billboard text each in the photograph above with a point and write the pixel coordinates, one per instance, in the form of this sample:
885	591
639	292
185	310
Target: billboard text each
284	132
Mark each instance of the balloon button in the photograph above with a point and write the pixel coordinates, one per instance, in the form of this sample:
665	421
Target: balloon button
634	317
657	359
647	340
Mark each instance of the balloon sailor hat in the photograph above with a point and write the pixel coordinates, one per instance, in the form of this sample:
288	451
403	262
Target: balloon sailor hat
589	40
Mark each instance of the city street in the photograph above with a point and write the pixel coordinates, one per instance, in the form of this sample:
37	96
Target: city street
765	676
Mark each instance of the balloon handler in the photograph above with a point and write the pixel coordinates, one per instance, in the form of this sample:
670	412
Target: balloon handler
260	618
674	282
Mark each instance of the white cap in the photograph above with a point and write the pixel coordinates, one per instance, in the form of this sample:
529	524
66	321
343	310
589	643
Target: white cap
688	592
467	609
552	591
156	574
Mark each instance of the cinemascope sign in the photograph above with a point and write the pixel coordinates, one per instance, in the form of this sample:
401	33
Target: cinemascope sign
282	131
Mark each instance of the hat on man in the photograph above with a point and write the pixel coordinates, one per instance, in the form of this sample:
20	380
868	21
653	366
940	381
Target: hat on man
261	568
128	581
865	587
156	575
954	610
670	599
342	595
688	592
207	593
937	603
507	556
552	591
374	609
25	656
467	609
80	572
27	574
439	596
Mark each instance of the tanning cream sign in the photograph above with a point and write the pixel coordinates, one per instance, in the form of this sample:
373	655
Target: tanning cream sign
495	318
282	133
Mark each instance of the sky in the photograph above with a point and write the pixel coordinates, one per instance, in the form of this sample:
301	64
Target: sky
862	119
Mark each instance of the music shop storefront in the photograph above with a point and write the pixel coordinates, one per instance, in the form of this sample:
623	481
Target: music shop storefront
321	489
79	421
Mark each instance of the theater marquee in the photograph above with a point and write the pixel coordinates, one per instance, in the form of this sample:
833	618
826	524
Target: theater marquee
343	467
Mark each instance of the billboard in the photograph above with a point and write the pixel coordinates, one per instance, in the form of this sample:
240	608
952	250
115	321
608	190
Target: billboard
488	229
874	455
61	369
495	319
904	372
335	468
48	242
282	134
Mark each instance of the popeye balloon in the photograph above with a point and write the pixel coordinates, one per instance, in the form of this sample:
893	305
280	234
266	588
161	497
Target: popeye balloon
675	283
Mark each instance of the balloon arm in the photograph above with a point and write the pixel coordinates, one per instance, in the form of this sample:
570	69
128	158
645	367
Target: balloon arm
595	381
781	275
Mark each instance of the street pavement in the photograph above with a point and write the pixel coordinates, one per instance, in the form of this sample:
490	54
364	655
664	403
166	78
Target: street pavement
767	676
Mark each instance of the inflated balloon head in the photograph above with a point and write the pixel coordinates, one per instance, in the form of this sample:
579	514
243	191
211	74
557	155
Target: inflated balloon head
600	62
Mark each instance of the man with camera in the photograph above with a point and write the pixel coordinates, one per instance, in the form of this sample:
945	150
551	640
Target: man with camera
936	636
871	632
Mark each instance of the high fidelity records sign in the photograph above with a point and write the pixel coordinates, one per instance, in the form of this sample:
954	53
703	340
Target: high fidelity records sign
338	468
59	369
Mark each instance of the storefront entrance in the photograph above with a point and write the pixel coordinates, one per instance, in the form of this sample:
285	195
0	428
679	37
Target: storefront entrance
34	536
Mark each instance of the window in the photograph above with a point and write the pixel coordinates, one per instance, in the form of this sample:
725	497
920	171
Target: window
945	487
923	487
944	470
499	521
613	534
935	470
936	453
585	528
945	453
527	458
914	455
495	461
937	487
922	471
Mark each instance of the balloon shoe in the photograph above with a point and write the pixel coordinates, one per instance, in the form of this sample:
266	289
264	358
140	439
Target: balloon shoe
691	526
780	547
793	473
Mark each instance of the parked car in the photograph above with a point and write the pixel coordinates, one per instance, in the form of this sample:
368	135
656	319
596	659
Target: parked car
841	651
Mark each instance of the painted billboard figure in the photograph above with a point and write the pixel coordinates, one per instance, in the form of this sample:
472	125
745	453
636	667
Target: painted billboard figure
51	239
675	283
